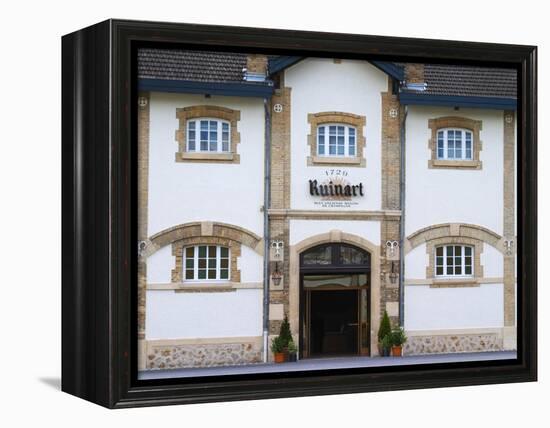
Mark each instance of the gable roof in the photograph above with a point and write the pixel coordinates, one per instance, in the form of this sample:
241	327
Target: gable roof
179	70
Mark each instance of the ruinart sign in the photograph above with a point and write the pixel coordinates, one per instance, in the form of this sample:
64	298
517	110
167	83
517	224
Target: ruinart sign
335	190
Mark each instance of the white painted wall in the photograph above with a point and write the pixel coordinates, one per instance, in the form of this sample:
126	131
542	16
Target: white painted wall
453	308
319	85
160	265
251	264
492	261
302	229
181	192
416	262
173	315
436	196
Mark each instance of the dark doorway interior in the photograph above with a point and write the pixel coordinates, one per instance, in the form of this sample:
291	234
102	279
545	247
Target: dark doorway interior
334	322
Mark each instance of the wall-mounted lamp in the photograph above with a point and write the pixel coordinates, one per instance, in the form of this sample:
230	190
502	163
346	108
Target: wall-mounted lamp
393	274
277	275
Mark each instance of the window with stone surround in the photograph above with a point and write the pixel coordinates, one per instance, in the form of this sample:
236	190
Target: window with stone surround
207	134
336	138
455	143
206	263
454	261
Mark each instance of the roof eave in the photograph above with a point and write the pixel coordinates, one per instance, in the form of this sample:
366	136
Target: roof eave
494	103
211	88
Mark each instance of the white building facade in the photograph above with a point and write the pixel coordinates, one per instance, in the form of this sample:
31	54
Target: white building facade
326	191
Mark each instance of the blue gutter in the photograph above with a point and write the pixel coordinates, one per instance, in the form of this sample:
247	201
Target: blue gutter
393	70
458	101
229	89
282	62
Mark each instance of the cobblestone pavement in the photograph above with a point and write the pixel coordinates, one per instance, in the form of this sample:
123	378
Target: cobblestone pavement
327	363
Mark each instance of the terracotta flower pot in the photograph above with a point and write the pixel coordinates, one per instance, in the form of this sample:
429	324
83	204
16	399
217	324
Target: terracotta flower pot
279	357
396	351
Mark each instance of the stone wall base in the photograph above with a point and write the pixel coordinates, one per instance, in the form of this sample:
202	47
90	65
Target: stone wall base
165	355
453	343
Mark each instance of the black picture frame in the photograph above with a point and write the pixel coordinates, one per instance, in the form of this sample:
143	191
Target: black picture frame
99	208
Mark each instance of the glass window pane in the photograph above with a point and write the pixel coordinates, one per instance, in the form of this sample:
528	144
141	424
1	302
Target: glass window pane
189	274
202	251
211	263
224	274
439	251
202	274
224	252
332	130
189	263
458	250
458	270
318	256
353	256
439	270
351	132
202	263
449	270
321	145
321	130
211	251
224	263
212	274
467	270
190	251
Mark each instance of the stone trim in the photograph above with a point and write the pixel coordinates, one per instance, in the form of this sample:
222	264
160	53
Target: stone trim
205	286
509	125
453	341
183	353
142	203
455	122
391	149
332	237
333	214
194	112
434	281
446	230
177	251
316	119
199	229
451	240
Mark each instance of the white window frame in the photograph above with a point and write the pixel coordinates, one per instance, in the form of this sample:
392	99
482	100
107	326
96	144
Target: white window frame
462	261
326	127
463	132
196	264
197	140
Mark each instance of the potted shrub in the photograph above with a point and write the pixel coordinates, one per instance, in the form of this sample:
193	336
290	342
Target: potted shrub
285	335
386	345
277	349
398	338
292	351
383	331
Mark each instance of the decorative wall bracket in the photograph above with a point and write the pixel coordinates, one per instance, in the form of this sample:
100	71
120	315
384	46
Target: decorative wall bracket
277	247
509	247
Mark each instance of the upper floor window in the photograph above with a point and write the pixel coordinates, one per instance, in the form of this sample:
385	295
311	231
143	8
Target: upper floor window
208	135
336	140
454	144
454	260
206	262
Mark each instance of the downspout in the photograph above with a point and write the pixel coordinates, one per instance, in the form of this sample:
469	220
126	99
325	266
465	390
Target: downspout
402	223
267	204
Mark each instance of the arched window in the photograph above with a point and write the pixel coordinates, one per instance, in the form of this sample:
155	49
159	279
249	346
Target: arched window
336	140
335	256
206	262
208	135
454	144
454	260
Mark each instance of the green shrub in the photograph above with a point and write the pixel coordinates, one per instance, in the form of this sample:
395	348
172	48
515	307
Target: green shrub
284	332
292	348
277	345
387	341
398	337
385	327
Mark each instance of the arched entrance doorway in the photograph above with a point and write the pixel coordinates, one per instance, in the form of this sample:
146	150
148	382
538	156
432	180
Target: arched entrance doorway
334	301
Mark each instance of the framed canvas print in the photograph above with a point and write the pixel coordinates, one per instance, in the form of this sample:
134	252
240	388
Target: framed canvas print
256	213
